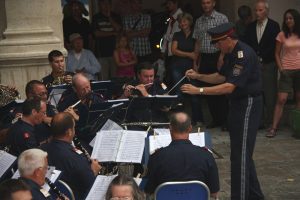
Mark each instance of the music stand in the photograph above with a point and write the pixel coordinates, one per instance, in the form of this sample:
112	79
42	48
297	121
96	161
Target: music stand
103	87
55	92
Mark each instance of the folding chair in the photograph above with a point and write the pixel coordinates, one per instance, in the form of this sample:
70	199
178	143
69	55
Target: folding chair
187	190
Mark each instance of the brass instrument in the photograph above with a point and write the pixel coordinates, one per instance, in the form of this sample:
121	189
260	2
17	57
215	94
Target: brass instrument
7	95
53	187
57	81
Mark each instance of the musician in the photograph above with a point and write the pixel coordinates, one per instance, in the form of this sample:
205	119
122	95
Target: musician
14	189
145	86
21	135
33	166
181	160
81	91
78	172
58	75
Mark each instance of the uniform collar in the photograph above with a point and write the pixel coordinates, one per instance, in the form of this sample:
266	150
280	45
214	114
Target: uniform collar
31	183
176	142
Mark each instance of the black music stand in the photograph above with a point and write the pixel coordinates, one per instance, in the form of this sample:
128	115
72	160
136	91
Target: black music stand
55	92
103	87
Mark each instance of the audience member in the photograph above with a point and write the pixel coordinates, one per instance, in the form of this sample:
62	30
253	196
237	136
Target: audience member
181	160
137	26
287	54
67	9
14	189
82	60
58	75
21	135
33	167
261	36
124	57
173	27
78	172
77	24
106	25
185	57
245	18
124	187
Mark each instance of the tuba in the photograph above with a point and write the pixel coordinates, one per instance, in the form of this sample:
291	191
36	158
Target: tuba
7	95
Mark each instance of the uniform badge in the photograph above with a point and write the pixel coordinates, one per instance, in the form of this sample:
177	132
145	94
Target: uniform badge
26	135
45	192
237	69
240	54
78	151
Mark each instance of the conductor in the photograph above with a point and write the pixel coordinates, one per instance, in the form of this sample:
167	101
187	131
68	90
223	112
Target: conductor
239	78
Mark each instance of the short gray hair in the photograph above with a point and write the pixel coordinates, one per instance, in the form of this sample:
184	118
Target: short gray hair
264	2
31	160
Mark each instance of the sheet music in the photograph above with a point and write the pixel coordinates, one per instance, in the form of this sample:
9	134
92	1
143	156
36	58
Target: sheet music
99	187
159	141
6	160
161	131
106	145
132	146
197	139
55	96
109	125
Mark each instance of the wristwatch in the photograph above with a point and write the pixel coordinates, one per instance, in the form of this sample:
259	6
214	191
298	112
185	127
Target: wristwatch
201	90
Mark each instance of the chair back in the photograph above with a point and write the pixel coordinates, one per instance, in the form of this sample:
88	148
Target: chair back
187	190
65	189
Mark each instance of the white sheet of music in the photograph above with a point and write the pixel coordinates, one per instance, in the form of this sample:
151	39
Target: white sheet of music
6	160
162	131
99	187
109	125
106	145
132	146
197	139
159	141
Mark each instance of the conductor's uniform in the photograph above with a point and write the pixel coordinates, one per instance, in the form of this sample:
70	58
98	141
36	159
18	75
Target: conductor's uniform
242	69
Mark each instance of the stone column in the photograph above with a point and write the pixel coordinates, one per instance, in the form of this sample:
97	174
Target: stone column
33	29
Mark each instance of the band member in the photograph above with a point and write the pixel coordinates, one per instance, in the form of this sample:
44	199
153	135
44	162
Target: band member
15	189
78	171
33	166
21	135
81	92
58	75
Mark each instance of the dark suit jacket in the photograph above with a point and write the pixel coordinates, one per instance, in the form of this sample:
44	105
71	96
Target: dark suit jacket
266	47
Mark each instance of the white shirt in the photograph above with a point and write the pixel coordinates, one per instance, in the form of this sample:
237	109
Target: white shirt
260	28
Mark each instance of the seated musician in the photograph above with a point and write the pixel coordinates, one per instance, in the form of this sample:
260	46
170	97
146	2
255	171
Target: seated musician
79	171
21	135
81	91
145	86
58	75
14	189
33	166
181	160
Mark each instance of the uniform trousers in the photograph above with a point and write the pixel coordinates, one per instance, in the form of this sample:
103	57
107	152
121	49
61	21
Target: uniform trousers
243	122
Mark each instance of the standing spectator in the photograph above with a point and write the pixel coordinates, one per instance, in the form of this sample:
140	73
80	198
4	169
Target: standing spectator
261	36
77	24
82	60
209	55
137	26
287	54
184	58
124	57
245	18
173	27
106	26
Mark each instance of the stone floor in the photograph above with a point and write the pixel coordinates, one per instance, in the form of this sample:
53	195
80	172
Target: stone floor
277	163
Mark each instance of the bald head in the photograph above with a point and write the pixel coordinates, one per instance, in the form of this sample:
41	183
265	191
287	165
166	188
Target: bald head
61	123
180	123
81	85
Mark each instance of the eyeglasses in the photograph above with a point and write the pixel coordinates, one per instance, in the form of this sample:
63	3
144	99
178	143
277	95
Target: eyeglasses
121	198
